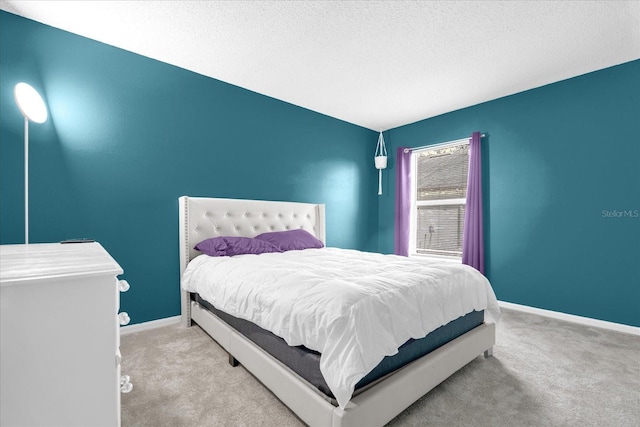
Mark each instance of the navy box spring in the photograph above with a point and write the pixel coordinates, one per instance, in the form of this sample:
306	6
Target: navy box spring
306	362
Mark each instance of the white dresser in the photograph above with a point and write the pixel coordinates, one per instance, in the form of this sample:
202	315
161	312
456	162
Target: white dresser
59	336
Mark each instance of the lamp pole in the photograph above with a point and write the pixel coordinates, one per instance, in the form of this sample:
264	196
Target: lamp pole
26	181
33	108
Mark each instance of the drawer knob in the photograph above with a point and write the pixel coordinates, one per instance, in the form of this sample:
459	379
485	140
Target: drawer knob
123	285
125	384
123	318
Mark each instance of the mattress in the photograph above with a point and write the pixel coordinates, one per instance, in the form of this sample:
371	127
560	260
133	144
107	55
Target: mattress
306	362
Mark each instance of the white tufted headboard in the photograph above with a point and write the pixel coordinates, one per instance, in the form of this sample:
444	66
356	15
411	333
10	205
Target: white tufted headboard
202	218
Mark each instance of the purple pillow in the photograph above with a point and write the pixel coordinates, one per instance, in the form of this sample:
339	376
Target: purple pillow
291	239
230	246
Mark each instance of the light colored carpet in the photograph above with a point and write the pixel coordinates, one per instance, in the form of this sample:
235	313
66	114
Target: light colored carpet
544	372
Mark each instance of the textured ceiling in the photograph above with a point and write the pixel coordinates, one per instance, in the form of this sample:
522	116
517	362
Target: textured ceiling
378	64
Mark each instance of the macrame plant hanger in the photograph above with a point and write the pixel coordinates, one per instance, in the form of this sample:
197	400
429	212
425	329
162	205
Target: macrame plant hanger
380	160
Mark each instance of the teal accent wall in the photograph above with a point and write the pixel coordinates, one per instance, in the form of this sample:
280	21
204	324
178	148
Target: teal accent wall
562	192
128	135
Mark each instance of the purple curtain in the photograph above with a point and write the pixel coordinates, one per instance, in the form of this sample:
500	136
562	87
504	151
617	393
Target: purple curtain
473	237
403	201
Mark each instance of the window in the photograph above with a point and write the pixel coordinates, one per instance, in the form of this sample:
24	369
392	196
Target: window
438	202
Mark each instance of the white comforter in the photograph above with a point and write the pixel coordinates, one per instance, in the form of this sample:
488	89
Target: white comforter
353	307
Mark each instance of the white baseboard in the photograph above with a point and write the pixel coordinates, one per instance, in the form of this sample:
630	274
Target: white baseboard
145	326
587	321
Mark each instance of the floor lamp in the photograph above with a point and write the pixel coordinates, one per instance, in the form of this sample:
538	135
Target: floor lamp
32	108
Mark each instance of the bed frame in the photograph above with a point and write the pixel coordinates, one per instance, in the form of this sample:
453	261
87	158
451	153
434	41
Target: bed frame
202	218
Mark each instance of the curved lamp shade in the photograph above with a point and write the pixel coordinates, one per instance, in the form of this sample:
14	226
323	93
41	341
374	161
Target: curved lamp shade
30	103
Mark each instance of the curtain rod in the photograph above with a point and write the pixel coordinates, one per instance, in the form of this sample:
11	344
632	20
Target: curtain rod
440	144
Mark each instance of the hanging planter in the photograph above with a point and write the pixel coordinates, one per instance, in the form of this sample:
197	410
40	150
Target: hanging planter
380	160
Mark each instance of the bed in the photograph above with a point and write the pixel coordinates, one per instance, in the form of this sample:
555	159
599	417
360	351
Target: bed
376	402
